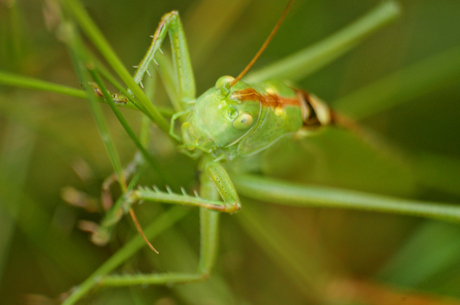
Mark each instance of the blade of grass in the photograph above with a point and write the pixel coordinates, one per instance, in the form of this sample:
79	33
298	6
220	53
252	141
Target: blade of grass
79	59
181	255
432	248
279	192
14	38
17	149
437	171
408	84
108	76
203	45
77	11
48	239
404	85
311	59
34	116
305	271
165	221
152	161
10	79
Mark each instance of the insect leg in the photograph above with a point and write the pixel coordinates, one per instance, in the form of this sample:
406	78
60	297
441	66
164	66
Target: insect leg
215	178
183	73
173	119
208	245
156	195
224	185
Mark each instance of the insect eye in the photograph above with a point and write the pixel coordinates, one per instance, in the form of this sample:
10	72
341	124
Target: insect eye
230	113
243	121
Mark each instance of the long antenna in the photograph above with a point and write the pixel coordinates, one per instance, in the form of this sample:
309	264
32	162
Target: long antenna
264	46
139	229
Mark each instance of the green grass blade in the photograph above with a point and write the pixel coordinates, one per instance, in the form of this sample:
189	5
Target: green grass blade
440	172
165	221
279	192
108	76
13	42
407	84
80	60
77	11
153	162
184	257
15	159
304	271
181	255
311	59
204	45
10	79
48	239
433	247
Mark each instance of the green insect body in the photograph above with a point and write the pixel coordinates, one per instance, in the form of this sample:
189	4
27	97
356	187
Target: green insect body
249	117
234	120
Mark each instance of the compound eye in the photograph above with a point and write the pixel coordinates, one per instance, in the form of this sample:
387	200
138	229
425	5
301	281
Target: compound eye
243	121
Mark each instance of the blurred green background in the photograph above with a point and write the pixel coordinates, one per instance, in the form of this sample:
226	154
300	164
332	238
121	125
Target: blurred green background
410	69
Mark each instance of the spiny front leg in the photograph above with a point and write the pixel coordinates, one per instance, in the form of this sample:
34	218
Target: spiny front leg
219	178
156	195
216	176
184	79
209	228
104	231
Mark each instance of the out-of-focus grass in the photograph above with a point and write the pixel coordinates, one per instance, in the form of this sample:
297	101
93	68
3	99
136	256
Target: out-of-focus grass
49	141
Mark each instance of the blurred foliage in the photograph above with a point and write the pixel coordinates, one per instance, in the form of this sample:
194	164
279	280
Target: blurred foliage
49	141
